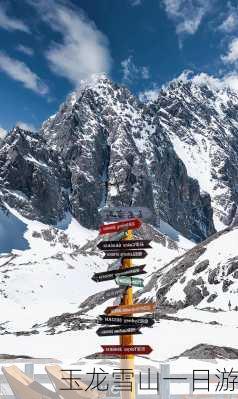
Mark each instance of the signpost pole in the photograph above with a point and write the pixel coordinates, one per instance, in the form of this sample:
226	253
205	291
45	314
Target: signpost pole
127	362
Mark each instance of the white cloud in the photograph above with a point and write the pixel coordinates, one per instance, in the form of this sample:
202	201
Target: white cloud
229	80
229	24
145	73
149	95
186	14
135	3
83	51
10	23
25	49
20	72
232	55
130	71
26	126
231	61
3	133
126	69
209	80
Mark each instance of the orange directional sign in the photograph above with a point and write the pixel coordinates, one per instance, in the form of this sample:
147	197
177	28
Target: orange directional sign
130	309
126	349
120	226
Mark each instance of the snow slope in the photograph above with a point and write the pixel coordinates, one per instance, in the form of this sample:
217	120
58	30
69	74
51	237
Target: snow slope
205	276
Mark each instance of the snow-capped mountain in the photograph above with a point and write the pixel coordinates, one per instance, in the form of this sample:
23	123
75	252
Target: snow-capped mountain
118	149
202	123
118	152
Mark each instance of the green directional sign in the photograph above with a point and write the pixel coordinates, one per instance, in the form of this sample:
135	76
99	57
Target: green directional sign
129	281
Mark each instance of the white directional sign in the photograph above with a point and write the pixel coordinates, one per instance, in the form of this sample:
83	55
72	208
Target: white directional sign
117	213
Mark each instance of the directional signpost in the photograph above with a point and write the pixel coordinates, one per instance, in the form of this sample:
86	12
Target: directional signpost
113	214
129	321
120	226
124	330
130	309
129	281
114	292
129	254
111	275
119	320
121	245
127	349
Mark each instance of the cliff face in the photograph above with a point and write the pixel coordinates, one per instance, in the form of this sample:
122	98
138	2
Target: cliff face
202	123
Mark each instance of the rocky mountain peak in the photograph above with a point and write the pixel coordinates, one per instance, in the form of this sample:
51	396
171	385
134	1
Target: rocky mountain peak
202	123
33	179
119	153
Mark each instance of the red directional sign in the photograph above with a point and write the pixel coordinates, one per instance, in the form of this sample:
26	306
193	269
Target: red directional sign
120	226
126	350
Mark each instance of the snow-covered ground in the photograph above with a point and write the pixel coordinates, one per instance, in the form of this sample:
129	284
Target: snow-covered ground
168	339
52	276
174	235
221	255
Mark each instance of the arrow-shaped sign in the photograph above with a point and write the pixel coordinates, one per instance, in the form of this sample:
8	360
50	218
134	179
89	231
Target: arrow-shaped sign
111	275
114	292
117	236
111	214
125	330
127	349
130	254
129	321
129	281
119	226
130	309
126	244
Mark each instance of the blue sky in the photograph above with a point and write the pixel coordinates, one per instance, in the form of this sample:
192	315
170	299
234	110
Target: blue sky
49	46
